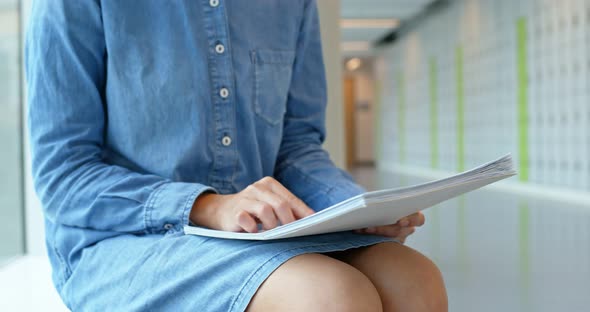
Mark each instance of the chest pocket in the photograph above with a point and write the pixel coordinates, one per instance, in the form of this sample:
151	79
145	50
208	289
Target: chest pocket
272	77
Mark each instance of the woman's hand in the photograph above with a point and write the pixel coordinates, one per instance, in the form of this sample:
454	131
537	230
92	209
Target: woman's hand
265	201
400	230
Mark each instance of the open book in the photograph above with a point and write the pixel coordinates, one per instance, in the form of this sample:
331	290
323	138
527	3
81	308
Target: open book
379	207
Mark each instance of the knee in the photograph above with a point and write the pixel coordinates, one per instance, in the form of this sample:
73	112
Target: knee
423	284
317	283
405	279
429	290
347	289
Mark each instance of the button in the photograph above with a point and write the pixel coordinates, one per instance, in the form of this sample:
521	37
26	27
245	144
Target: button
224	93
168	226
219	48
213	3
226	141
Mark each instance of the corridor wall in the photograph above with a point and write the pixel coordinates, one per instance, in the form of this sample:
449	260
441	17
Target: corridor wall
480	79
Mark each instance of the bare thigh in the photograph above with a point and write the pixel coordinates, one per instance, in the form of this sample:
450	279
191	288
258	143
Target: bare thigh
315	282
405	279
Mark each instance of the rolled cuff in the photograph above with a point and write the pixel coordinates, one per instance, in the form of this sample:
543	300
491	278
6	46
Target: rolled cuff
170	204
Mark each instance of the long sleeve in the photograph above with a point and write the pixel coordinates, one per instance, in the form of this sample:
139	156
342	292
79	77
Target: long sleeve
65	68
303	166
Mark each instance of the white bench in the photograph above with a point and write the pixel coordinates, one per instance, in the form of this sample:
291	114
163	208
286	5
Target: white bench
25	285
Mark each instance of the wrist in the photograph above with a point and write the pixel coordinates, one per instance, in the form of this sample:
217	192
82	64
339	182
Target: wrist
204	209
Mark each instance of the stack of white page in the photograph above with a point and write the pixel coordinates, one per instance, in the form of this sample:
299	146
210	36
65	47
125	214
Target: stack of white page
379	207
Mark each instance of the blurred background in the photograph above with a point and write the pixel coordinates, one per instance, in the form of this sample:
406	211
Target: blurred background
418	89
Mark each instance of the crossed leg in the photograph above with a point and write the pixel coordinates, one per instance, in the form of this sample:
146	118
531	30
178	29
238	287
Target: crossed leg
383	277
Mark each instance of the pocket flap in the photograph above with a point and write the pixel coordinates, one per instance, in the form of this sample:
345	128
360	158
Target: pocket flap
285	57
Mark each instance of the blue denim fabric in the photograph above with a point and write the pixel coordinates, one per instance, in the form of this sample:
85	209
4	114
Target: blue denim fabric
129	124
176	272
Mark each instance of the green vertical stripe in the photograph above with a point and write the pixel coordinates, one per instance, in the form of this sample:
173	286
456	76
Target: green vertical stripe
523	158
401	116
522	101
460	110
433	115
522	98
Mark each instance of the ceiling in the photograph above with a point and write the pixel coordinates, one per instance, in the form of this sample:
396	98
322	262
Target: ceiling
356	37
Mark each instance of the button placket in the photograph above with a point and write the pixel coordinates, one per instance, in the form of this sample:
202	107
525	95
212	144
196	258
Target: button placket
221	77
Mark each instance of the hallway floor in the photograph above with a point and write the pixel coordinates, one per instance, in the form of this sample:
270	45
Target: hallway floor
502	252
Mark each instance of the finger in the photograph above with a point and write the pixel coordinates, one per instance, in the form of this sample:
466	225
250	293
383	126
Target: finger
246	222
263	212
300	209
389	230
370	230
403	222
282	208
416	219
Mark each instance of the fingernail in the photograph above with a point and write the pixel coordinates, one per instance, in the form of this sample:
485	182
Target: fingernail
404	222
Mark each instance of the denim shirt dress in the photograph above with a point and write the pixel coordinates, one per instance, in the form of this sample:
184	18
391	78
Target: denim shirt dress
135	108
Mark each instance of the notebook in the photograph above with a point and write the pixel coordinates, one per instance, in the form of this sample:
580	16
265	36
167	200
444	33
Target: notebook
378	207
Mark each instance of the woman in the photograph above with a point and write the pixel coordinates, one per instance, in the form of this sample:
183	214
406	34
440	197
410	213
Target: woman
145	115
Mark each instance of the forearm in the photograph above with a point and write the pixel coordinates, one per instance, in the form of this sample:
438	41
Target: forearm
92	194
